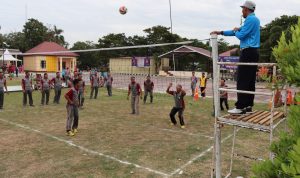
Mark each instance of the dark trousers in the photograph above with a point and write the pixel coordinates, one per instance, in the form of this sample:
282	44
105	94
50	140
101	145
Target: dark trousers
29	94
193	87
146	95
202	90
45	93
57	95
81	98
224	100
67	78
76	118
109	90
1	99
92	92
246	76
180	115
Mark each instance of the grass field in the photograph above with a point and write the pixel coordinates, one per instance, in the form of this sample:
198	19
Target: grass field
113	143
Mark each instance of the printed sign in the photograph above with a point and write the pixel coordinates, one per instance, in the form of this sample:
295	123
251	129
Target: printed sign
140	62
229	59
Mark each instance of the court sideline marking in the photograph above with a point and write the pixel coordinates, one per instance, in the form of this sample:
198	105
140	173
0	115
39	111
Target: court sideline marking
70	143
198	156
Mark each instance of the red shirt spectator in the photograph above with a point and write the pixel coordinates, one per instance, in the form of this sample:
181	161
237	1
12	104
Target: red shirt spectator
70	95
137	89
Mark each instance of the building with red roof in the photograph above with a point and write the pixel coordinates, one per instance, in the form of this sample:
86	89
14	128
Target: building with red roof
49	57
230	52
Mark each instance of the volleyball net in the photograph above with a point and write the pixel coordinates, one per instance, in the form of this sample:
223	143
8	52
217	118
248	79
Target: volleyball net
163	70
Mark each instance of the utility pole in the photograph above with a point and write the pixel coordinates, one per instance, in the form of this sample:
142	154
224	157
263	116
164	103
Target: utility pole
171	20
26	12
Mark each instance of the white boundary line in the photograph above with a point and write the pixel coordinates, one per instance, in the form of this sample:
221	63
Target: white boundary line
166	130
187	133
198	156
70	143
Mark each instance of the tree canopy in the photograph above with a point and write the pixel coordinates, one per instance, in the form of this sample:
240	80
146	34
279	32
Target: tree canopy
35	32
271	33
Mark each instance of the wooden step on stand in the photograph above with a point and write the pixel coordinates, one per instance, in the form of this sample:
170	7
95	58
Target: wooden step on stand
258	120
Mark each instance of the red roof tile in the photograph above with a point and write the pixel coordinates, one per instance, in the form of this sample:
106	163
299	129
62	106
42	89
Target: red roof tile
45	47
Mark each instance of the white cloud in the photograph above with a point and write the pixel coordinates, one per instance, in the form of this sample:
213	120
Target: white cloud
91	19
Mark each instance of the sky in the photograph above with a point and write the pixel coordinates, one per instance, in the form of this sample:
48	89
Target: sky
88	20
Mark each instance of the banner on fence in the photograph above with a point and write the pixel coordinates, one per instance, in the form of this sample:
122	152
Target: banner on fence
140	61
228	59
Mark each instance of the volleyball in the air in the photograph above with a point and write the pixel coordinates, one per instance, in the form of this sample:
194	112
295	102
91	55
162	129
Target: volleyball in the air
123	10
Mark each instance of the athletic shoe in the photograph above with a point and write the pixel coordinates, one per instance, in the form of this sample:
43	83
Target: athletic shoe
172	124
236	111
70	133
248	109
183	127
75	130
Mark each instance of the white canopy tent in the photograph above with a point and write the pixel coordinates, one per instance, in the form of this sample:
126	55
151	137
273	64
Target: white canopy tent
7	58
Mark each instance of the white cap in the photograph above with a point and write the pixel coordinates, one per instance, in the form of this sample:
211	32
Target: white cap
249	4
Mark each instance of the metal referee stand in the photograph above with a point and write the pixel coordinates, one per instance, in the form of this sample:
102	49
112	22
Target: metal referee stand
264	121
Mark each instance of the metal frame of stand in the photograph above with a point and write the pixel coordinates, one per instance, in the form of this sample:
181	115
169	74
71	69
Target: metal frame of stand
265	121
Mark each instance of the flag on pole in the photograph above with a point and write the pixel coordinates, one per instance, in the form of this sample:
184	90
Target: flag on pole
196	95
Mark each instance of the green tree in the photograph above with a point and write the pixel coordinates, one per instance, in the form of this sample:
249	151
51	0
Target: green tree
88	59
286	163
35	32
153	35
15	40
55	35
271	33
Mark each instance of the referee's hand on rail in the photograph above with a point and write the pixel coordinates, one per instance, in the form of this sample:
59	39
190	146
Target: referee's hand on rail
216	32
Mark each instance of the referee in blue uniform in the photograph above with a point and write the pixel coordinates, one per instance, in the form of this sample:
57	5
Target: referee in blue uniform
249	36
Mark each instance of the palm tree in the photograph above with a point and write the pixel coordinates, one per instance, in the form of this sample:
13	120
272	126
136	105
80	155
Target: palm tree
56	36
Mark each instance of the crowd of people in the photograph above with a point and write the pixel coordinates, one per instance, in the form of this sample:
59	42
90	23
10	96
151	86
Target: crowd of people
75	96
12	70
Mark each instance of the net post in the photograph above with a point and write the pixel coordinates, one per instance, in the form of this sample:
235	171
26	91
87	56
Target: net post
272	108
232	150
216	76
174	65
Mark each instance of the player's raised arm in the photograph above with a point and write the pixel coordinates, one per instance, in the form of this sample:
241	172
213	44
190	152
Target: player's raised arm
168	89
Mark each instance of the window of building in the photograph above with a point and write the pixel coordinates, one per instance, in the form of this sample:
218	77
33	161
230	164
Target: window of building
43	64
